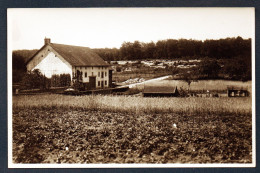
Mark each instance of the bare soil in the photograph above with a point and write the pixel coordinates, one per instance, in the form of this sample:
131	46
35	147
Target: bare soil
79	136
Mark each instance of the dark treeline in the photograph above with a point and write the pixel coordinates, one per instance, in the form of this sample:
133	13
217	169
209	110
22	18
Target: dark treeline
171	49
19	59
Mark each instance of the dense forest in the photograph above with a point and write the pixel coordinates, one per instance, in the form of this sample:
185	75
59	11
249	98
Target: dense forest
172	49
234	53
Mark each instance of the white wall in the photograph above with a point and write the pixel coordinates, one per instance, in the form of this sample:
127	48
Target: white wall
94	71
51	64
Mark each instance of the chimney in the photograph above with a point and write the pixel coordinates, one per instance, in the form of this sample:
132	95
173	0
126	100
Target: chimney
47	41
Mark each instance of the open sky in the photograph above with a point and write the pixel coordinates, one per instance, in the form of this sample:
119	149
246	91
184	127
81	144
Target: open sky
110	27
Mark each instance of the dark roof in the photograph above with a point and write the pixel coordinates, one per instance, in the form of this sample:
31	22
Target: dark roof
229	87
77	55
159	89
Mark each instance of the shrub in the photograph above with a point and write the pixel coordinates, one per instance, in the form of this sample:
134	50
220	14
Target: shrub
35	80
118	69
61	80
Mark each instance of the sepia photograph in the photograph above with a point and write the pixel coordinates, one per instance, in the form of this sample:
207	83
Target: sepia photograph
131	87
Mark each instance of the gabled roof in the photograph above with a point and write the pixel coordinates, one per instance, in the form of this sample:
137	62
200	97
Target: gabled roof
160	89
76	55
79	56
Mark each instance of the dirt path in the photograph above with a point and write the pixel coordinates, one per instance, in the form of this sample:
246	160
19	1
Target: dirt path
146	82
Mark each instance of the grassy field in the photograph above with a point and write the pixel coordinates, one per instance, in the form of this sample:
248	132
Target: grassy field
125	129
135	104
211	85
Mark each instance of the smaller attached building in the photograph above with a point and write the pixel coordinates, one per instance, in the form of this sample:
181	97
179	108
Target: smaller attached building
234	91
160	91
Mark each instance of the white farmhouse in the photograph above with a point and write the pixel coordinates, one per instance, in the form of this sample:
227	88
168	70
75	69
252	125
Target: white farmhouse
55	58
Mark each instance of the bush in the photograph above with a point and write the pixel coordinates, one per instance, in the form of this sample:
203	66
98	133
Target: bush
61	80
118	69
183	93
35	80
238	68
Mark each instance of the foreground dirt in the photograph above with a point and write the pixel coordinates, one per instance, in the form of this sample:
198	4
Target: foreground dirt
78	136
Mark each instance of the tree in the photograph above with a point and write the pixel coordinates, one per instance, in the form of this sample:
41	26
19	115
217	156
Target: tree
126	51
137	50
187	78
238	68
148	50
209	68
161	50
172	48
35	80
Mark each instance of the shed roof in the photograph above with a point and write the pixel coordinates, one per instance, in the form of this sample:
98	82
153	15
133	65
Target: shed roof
160	89
230	87
76	55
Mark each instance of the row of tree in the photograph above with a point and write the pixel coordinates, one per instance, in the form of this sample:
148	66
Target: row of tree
172	49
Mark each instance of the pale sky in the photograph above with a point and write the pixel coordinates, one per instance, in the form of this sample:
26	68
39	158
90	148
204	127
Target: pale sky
110	27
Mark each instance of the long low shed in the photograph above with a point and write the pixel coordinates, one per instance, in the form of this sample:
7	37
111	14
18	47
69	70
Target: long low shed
235	91
160	91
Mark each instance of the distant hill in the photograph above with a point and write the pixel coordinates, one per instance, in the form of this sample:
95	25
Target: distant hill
19	58
22	55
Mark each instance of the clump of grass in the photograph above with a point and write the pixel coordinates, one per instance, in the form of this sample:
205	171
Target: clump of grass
136	104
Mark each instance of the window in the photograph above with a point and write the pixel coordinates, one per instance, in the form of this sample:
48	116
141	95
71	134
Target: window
105	82
102	68
86	74
92	68
105	73
98	83
92	74
98	74
102	74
